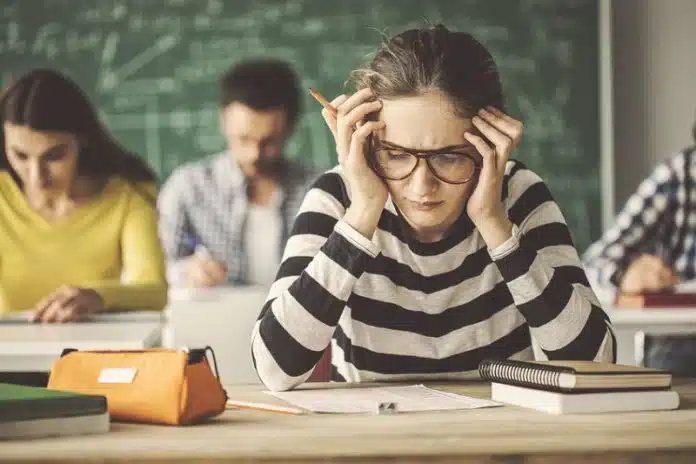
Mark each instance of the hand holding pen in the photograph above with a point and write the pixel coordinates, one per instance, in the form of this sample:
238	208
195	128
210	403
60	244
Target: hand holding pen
202	269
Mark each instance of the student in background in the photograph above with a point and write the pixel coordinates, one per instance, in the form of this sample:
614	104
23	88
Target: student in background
78	228
225	219
652	246
426	250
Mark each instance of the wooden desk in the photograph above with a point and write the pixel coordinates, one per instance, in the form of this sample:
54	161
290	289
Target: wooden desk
26	347
503	434
631	326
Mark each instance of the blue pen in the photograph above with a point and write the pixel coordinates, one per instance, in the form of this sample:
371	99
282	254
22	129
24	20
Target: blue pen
199	249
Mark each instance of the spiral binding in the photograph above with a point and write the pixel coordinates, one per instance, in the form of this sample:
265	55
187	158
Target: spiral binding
515	372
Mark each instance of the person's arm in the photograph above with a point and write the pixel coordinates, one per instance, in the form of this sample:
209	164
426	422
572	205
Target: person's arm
323	259
174	226
635	228
143	285
543	272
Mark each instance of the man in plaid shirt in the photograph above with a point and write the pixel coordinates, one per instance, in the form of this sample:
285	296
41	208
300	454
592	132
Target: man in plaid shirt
225	219
652	246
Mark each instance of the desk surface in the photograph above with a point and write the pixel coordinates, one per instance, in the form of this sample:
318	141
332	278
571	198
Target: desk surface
33	347
492	435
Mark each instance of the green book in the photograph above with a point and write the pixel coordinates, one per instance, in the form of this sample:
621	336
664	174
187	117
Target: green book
30	412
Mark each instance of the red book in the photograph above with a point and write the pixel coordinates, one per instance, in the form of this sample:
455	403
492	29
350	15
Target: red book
657	300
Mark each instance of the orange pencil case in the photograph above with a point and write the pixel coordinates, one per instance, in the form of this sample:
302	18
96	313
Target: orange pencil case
160	386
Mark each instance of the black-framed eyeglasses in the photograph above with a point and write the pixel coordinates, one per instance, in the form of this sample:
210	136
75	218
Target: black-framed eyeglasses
454	164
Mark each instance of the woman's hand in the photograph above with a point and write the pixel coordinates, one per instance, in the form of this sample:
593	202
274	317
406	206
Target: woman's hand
68	304
368	192
485	206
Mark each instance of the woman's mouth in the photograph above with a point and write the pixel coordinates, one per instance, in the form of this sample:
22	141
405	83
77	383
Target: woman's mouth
425	205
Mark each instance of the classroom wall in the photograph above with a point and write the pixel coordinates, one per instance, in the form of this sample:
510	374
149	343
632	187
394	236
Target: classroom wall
654	74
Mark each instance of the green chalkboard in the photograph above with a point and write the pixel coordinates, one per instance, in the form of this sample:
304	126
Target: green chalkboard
152	67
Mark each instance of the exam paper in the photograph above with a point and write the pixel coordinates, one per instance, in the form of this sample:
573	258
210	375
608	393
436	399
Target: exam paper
360	400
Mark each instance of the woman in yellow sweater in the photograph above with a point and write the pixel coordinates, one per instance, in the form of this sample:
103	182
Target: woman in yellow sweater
78	222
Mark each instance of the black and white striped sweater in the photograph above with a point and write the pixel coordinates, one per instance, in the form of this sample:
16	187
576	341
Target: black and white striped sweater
394	308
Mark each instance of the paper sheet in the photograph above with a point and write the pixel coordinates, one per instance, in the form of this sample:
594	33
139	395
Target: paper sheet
17	317
361	400
23	317
688	286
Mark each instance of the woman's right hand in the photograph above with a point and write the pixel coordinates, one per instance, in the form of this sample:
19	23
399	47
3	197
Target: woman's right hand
350	130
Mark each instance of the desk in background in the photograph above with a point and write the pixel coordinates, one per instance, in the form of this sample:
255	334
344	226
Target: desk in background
223	317
631	326
26	347
502	434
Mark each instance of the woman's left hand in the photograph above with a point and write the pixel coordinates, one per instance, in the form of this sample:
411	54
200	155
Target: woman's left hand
485	206
68	304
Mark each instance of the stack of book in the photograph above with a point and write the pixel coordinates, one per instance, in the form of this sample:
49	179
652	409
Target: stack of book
574	387
32	412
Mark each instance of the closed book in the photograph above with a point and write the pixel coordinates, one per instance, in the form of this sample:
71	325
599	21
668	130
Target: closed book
29	412
584	403
573	376
55	427
664	299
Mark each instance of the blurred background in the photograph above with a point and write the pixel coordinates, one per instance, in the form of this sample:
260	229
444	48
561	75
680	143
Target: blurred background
605	88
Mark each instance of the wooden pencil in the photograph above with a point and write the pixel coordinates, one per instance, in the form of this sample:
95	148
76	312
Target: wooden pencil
323	101
263	407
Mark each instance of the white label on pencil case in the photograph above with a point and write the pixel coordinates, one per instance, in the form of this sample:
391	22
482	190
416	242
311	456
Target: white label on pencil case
117	375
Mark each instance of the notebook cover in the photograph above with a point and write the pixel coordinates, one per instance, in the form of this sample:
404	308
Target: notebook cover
544	375
591	367
18	403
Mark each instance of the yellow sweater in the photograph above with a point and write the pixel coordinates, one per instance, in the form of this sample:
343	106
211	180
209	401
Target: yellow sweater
109	244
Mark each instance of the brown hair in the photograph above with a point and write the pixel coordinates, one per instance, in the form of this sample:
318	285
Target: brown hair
46	100
262	84
434	59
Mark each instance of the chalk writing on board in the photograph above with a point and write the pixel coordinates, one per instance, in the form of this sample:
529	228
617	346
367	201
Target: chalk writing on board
153	67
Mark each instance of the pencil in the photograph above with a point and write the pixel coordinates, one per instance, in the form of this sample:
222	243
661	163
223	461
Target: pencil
324	102
263	407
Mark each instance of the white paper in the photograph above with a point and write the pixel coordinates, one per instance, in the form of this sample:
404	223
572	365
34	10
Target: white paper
17	317
688	286
361	400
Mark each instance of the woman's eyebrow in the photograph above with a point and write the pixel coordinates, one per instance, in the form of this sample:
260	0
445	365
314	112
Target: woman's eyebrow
448	147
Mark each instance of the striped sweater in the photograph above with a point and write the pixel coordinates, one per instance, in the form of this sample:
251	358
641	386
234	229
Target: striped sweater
393	308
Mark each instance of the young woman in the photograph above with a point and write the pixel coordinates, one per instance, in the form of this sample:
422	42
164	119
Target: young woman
426	250
78	224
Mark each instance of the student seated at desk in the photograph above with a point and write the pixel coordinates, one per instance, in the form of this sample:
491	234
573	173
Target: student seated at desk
225	219
444	253
78	221
651	247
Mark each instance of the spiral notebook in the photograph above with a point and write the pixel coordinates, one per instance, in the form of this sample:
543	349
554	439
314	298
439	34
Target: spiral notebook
574	376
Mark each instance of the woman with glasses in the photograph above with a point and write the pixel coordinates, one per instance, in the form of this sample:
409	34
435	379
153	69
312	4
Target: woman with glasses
427	249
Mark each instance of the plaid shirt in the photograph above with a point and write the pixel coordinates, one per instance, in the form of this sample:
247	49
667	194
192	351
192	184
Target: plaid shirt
205	202
659	219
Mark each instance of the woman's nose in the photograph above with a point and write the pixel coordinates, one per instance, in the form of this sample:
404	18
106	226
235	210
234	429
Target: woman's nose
423	182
